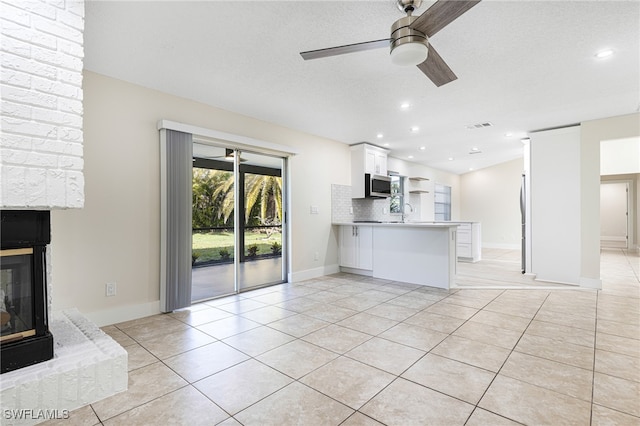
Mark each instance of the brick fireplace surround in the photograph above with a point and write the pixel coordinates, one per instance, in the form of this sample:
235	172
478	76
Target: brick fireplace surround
41	168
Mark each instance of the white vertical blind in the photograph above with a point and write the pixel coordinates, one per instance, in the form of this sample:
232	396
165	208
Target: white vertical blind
176	158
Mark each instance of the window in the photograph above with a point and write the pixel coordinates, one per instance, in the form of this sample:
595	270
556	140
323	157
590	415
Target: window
442	202
397	194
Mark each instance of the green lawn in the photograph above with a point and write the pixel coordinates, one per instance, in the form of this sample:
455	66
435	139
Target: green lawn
207	245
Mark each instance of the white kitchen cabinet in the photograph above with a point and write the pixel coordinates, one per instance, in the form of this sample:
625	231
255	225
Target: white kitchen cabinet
356	247
366	158
375	161
469	242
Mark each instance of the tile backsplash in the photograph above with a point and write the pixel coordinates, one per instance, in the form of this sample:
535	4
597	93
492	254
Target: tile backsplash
363	209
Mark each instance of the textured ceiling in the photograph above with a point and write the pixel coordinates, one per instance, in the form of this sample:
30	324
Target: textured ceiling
521	65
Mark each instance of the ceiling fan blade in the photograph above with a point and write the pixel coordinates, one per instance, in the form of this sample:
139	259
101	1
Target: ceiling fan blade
436	69
441	14
341	50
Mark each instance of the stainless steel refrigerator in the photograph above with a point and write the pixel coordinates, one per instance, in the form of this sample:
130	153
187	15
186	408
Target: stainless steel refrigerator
523	214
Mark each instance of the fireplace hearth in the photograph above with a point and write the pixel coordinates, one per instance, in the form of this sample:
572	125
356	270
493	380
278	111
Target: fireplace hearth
24	331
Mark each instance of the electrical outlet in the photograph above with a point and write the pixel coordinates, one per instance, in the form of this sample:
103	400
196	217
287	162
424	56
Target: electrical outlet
316	256
110	289
350	210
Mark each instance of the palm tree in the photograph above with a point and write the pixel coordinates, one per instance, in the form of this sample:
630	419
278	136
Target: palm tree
213	197
266	192
208	199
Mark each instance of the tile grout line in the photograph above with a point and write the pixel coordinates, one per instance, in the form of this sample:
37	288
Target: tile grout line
366	288
477	405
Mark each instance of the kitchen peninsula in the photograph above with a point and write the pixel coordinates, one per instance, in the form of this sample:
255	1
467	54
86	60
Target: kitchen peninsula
416	253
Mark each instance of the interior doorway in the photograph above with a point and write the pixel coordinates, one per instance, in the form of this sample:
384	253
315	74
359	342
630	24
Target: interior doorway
614	214
238	212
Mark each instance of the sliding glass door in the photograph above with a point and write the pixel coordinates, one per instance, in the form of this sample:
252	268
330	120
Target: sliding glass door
260	221
237	236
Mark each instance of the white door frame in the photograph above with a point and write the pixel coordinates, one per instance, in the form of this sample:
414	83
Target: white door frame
630	208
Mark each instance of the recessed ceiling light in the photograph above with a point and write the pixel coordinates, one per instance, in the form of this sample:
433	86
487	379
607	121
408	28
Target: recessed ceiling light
379	135
411	156
405	105
450	158
508	135
386	144
415	129
475	149
422	148
470	169
604	53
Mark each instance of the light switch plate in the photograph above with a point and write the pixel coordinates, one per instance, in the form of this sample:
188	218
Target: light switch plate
314	209
110	289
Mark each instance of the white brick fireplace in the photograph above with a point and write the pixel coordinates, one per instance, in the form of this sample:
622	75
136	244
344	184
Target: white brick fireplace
41	168
41	90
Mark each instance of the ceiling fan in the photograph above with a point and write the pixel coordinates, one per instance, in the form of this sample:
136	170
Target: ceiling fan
229	155
409	41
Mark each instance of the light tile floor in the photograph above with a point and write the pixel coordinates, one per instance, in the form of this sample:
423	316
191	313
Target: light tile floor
349	350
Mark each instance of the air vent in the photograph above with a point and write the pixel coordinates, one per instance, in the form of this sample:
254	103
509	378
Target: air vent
475	152
479	125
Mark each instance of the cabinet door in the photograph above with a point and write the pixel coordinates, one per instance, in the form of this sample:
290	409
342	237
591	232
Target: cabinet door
375	162
365	247
381	164
370	162
348	242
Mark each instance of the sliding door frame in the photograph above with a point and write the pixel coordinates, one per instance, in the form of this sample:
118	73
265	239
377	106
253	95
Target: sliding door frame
249	145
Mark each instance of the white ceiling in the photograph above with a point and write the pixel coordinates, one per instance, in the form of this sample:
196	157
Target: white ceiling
521	65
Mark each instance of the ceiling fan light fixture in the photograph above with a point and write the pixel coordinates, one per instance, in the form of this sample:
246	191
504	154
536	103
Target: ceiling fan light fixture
408	46
409	54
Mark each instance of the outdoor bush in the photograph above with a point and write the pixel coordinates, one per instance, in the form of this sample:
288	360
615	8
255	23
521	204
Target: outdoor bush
276	248
252	250
224	254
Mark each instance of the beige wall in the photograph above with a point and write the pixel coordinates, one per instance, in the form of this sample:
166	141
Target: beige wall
115	236
592	133
492	196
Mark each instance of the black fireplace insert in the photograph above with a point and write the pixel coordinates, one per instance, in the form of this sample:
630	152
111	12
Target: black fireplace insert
24	331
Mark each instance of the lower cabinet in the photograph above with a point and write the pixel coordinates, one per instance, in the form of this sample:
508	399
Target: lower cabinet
468	245
356	246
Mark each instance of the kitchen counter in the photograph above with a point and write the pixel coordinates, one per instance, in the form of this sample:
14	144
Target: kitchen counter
402	224
469	246
411	252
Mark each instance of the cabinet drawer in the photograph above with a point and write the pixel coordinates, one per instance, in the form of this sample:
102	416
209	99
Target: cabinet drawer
464	227
464	250
464	237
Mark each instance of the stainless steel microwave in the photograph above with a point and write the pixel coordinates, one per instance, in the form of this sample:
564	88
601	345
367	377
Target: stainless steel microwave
377	186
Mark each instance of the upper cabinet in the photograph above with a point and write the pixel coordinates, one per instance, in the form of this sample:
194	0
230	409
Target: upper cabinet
375	161
366	158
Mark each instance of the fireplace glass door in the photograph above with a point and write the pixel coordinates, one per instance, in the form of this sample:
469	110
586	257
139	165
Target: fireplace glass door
16	298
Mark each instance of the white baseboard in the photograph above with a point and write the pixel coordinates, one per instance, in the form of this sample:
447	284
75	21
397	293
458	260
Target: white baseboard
356	271
313	273
123	313
567	283
591	283
506	246
617	239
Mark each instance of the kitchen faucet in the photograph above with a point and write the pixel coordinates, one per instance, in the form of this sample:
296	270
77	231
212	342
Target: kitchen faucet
404	209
